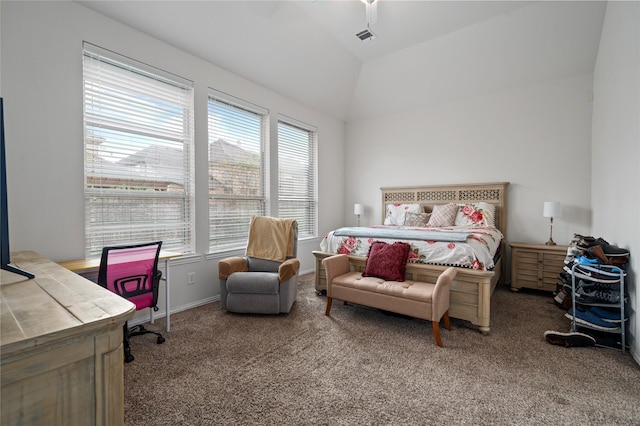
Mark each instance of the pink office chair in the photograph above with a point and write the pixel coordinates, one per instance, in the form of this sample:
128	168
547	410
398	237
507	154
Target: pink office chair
132	272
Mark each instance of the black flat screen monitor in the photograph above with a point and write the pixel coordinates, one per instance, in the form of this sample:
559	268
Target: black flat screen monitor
4	209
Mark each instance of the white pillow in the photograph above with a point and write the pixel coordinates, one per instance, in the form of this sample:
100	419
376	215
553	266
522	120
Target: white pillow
476	214
396	213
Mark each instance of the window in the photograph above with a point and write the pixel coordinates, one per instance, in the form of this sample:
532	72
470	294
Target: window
297	181
237	139
138	144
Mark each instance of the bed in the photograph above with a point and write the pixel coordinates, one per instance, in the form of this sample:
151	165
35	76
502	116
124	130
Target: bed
478	274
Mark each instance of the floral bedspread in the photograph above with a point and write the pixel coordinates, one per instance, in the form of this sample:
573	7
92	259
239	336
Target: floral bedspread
477	252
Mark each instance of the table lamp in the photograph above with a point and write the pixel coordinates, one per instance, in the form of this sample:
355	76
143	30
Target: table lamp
551	209
357	210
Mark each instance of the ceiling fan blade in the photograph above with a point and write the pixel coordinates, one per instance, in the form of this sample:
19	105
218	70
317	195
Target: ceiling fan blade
372	11
373	7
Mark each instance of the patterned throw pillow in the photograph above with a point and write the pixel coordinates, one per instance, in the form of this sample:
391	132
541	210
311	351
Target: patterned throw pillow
396	213
416	219
443	215
476	214
387	261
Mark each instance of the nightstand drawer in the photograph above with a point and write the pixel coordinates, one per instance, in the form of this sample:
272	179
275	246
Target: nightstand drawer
527	258
535	279
554	258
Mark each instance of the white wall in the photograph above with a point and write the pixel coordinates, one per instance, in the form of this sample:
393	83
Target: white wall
615	182
535	42
41	84
535	137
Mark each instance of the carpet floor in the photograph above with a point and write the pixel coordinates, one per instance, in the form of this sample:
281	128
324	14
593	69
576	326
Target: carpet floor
363	366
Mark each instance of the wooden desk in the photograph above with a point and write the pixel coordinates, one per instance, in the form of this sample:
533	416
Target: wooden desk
62	352
85	265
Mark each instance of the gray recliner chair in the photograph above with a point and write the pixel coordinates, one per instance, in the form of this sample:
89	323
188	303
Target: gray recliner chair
258	285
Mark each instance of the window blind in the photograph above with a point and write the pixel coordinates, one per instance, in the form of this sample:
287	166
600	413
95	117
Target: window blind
297	181
139	159
237	137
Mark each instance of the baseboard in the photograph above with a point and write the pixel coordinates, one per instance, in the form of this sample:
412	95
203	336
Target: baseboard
192	305
176	310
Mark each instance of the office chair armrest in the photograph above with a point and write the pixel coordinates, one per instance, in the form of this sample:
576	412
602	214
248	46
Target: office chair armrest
288	269
230	265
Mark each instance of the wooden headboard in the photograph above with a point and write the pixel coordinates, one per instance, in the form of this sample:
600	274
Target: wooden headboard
430	195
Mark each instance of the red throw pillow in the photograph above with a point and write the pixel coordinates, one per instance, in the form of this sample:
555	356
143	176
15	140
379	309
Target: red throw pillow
387	261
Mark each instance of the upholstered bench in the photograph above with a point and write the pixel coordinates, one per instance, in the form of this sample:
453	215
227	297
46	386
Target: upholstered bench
414	298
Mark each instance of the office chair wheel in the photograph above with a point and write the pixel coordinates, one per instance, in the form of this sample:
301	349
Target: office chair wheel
161	339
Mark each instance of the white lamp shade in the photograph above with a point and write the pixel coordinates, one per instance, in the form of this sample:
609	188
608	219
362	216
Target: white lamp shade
551	209
357	209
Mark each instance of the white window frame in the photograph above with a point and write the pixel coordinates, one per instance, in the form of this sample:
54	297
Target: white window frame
139	154
235	127
298	174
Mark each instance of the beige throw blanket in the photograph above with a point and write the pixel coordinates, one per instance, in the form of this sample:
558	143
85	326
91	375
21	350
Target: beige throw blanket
271	238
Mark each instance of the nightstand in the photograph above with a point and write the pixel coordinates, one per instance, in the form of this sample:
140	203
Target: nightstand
536	266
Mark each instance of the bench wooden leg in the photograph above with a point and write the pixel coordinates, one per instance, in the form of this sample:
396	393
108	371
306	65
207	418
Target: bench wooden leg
436	328
436	332
329	300
447	323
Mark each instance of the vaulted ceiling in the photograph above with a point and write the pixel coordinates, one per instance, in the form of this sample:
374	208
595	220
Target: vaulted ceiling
424	53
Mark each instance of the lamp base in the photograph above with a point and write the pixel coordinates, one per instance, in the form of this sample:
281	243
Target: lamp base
550	242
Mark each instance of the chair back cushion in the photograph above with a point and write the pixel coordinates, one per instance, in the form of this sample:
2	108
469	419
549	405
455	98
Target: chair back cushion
132	272
261	265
